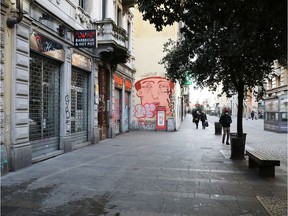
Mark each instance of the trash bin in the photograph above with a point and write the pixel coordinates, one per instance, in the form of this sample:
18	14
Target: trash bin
237	146
218	128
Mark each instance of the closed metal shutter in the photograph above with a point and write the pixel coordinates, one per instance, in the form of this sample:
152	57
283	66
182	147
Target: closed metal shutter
126	112
117	110
44	110
79	107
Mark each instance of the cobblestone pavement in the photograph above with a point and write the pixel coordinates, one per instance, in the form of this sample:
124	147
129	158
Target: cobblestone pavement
151	173
257	138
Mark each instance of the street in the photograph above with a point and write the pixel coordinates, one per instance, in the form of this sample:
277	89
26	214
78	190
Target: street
152	173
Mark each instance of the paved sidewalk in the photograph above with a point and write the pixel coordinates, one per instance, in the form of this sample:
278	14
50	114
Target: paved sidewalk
143	173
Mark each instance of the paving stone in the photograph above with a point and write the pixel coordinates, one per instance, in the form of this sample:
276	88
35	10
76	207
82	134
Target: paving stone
149	173
275	206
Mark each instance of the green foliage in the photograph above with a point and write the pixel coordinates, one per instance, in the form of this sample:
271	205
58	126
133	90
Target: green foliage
233	42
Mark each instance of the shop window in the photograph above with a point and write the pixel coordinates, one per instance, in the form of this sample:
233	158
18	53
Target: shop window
283	116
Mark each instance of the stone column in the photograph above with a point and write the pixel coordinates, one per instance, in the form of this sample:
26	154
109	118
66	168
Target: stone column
65	102
18	95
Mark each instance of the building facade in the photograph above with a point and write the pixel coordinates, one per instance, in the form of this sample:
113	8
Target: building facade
158	102
60	88
276	100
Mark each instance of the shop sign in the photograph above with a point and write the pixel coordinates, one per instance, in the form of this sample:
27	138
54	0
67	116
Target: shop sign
118	81
85	38
46	46
128	85
81	61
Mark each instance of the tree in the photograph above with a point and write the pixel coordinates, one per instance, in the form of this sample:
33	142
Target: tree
233	42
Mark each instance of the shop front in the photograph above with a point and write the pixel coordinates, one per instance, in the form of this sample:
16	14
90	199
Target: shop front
122	92
118	82
276	114
127	105
44	95
81	70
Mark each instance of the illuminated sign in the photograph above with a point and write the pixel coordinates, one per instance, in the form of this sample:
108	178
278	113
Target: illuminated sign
85	38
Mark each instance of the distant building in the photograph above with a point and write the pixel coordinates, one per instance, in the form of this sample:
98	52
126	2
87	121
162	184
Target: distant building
276	100
154	93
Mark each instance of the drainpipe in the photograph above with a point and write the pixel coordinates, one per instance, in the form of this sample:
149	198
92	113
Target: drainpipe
11	21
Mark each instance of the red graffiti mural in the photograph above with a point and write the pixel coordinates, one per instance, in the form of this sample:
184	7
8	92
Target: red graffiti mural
153	91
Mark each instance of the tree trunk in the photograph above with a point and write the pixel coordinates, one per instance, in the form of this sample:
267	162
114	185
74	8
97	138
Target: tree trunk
240	112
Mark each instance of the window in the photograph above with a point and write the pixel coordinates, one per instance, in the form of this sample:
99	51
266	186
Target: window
269	83
278	81
119	17
83	4
129	36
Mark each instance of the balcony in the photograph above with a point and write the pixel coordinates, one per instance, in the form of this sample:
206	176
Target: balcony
112	42
128	3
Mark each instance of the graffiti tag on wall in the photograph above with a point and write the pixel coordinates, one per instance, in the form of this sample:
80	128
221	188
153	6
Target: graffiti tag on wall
67	113
144	111
144	124
102	104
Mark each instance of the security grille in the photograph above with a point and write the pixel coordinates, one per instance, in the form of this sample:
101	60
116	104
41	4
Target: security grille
79	102
43	98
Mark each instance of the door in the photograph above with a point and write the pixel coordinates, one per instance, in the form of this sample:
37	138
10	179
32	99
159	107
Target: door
103	121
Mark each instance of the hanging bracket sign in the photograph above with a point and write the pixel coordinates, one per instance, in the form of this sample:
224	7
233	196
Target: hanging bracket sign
85	38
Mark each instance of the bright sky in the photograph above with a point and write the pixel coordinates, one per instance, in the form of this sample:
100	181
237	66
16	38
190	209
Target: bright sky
199	95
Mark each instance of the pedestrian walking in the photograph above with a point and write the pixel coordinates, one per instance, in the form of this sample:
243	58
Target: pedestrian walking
203	118
196	118
252	115
225	121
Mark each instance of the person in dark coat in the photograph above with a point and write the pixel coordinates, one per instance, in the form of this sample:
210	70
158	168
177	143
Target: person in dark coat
252	114
225	121
196	118
203	118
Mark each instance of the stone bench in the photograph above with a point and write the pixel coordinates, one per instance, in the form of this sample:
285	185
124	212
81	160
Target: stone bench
265	162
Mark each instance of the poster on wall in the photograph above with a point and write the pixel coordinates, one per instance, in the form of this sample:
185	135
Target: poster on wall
161	118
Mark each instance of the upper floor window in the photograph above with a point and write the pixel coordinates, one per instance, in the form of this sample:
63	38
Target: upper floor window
83	4
269	84
278	81
129	36
119	17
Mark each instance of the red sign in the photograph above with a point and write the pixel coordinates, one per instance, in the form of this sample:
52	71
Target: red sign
85	38
128	85
118	81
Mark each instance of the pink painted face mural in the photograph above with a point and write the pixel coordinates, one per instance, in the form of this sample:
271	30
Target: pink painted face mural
153	91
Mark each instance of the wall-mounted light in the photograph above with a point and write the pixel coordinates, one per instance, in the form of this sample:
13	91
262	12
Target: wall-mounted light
62	30
45	16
